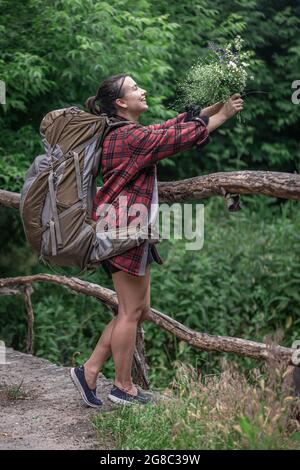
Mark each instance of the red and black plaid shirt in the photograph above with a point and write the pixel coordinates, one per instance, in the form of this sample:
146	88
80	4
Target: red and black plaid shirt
129	157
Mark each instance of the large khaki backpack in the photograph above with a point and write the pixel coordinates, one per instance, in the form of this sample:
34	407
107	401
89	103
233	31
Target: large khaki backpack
56	198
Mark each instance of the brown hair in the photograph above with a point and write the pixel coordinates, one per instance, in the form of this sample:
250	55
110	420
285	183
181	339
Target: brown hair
108	91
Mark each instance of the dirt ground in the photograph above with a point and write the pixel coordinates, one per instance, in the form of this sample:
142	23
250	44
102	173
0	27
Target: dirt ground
48	412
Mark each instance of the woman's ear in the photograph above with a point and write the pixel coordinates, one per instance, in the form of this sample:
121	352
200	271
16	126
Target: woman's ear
121	103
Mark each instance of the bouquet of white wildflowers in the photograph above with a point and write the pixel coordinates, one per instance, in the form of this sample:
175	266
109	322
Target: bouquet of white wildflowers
223	72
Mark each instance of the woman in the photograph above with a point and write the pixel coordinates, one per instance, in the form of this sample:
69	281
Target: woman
129	157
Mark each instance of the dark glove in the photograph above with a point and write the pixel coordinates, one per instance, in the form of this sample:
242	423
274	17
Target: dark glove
192	110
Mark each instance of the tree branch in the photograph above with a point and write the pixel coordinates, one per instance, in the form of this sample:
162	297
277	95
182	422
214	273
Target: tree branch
201	341
267	183
30	319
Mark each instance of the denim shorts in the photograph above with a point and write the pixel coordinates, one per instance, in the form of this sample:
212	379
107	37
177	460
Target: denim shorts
109	268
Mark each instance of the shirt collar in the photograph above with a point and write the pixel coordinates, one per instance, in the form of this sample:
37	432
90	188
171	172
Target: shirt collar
120	118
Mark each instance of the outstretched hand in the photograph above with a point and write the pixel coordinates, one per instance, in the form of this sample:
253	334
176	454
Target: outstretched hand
233	105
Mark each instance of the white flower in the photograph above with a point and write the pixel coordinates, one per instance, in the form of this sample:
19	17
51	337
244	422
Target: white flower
232	64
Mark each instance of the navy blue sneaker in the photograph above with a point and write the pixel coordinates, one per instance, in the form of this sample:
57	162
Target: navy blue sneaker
117	395
89	396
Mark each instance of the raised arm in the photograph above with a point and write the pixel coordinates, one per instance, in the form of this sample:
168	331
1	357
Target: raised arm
148	146
170	122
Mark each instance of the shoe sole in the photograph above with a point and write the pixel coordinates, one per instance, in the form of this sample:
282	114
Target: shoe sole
126	402
80	389
120	401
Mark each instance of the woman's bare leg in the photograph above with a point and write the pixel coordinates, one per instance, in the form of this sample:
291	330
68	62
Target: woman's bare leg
134	302
101	353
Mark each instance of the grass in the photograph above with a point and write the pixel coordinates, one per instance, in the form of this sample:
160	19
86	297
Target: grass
225	411
16	392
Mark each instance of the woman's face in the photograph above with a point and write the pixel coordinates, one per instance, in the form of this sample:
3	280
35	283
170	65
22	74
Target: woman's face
134	97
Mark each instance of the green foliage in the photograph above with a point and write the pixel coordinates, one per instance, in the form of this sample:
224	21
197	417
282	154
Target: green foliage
71	47
268	138
243	283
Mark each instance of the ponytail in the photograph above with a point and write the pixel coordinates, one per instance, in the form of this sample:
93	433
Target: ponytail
91	105
108	91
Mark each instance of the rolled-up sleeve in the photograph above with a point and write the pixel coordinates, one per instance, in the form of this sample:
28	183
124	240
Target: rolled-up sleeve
205	119
148	146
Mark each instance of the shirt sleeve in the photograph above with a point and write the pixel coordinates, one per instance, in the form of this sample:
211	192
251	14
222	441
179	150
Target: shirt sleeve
148	146
204	118
170	122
